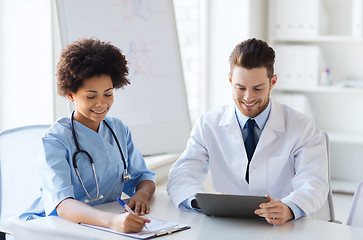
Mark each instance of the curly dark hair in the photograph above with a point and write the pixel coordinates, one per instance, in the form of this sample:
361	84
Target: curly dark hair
253	53
87	58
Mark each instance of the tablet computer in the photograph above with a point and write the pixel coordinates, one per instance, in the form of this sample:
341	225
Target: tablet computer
224	205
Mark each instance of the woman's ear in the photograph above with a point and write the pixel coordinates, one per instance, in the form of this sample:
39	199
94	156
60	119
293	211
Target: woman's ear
70	97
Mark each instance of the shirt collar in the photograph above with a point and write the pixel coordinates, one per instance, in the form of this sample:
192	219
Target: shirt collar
260	119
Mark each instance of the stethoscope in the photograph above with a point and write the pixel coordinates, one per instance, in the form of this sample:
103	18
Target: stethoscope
126	175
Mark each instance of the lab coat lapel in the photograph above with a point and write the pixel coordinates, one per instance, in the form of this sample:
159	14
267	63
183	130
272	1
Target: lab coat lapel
229	121
275	123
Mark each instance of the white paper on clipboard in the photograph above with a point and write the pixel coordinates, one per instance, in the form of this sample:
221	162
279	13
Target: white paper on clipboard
155	228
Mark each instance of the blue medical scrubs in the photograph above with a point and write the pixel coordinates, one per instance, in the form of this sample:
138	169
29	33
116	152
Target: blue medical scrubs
59	178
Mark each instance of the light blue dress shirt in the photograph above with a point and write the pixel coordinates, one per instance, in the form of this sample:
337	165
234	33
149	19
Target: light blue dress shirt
260	120
59	178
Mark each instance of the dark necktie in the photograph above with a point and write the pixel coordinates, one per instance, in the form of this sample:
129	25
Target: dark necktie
250	143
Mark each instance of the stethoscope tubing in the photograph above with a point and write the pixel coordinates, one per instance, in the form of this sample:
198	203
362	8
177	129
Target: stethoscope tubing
85	152
126	176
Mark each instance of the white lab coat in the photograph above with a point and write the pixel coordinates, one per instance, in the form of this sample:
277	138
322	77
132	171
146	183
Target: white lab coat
289	163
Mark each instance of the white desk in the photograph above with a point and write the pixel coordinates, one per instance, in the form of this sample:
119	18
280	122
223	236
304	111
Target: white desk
204	227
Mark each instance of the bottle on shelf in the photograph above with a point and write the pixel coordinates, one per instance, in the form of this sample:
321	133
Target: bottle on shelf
325	79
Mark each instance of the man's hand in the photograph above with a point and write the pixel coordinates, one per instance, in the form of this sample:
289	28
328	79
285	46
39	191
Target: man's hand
274	211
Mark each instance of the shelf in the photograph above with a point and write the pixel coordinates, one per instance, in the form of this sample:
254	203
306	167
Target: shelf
318	39
158	161
345	137
160	165
335	108
344	186
320	89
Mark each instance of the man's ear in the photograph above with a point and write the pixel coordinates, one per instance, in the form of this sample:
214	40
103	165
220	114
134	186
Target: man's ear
70	97
273	81
230	77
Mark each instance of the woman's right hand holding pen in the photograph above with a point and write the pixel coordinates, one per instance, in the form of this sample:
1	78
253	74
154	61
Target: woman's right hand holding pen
132	221
128	222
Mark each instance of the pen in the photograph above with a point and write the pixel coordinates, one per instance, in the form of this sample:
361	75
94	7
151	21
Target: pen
124	205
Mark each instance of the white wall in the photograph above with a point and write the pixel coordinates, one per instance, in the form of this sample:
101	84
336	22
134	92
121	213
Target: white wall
25	63
229	23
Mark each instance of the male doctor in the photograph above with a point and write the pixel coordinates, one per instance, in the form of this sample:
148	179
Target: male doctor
255	147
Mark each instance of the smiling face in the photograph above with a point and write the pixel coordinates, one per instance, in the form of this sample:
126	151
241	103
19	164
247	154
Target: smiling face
251	89
93	100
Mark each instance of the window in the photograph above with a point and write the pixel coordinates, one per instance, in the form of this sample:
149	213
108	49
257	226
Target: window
188	16
25	63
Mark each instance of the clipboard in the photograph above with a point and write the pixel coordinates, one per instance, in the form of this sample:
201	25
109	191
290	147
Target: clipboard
155	228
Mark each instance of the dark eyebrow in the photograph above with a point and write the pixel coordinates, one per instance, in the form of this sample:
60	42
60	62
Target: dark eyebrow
93	91
259	85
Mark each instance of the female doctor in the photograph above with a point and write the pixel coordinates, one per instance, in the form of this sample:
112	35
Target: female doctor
90	159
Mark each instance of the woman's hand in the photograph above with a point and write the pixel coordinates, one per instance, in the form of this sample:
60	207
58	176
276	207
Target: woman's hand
80	212
140	202
274	211
127	223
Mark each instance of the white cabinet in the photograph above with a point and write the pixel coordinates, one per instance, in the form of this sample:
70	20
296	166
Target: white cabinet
332	31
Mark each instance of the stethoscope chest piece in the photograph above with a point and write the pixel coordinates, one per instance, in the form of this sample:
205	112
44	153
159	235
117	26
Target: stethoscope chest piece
126	176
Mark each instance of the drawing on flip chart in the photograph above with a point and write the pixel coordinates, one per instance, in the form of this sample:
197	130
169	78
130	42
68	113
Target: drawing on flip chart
140	59
131	10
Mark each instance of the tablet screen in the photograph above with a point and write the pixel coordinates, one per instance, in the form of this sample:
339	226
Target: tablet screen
224	205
